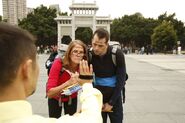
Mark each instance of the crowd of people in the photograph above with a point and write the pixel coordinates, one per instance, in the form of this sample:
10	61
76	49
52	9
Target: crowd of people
46	49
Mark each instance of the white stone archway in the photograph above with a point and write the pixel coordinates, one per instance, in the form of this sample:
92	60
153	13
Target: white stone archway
82	15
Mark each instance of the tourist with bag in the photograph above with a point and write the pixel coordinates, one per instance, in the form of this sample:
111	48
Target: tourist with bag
109	77
64	73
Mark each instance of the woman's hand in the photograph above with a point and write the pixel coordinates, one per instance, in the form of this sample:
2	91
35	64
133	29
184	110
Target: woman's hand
74	78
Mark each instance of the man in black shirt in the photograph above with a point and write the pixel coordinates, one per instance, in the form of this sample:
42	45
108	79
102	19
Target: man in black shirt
109	78
51	59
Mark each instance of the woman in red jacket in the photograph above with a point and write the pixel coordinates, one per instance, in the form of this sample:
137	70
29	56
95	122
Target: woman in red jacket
57	81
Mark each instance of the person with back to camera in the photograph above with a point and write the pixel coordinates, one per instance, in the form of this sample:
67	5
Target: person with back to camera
58	80
109	78
18	79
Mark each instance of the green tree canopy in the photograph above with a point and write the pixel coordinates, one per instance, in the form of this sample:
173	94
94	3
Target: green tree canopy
134	29
84	34
178	25
164	36
41	23
63	13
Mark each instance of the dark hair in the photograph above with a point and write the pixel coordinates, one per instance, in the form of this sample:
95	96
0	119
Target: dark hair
16	46
102	33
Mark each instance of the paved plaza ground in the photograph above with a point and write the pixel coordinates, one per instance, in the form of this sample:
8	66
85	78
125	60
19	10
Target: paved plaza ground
155	90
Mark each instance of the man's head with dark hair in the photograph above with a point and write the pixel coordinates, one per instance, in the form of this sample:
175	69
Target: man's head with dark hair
18	57
102	33
100	41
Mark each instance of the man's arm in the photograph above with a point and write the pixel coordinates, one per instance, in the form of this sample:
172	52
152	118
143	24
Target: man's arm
91	100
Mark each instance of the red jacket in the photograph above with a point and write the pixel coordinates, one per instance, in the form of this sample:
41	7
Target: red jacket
56	78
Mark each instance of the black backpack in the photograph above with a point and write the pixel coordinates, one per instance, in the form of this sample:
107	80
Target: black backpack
50	61
114	50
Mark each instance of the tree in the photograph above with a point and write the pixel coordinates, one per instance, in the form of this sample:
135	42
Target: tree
178	26
134	30
125	29
63	13
164	37
84	34
42	24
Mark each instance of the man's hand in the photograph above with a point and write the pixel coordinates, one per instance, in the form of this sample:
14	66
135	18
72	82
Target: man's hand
107	108
85	71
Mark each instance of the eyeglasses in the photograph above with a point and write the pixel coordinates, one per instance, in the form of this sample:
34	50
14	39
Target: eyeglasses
76	52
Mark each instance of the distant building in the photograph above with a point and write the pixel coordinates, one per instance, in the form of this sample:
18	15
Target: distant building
14	10
55	6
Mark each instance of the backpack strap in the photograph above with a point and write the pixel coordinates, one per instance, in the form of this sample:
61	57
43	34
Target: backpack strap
113	52
90	55
62	70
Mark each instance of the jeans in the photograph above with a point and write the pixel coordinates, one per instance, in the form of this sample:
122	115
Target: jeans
55	110
117	115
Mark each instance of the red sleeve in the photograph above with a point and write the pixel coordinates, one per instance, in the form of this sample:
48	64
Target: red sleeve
54	74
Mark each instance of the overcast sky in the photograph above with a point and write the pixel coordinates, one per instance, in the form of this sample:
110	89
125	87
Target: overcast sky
119	8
